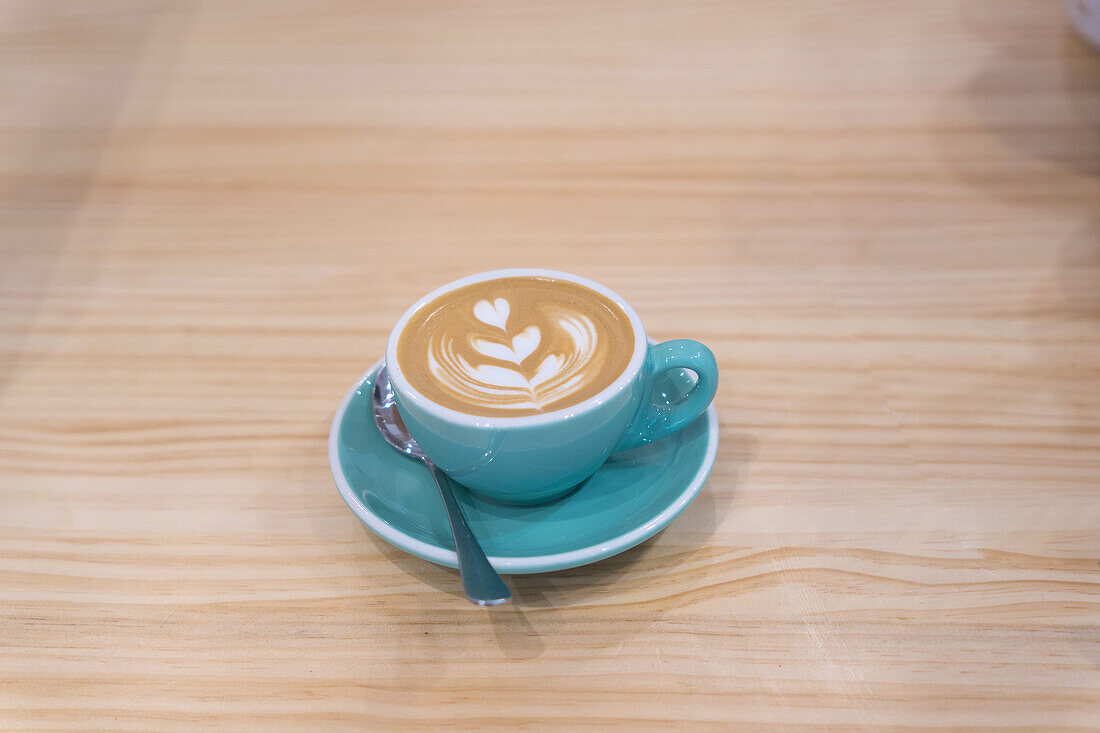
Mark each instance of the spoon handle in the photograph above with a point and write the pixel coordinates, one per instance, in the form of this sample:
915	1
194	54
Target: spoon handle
482	583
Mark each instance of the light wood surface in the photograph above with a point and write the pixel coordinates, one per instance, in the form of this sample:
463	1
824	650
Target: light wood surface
884	219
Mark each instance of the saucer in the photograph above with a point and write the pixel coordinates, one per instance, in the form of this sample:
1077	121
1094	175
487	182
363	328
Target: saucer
628	500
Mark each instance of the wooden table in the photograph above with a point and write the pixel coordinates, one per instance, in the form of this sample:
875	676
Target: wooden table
885	220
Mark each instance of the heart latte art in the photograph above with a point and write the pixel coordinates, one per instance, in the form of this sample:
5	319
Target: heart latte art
515	346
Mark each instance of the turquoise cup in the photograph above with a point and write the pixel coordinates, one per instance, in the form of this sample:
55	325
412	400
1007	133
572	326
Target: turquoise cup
538	458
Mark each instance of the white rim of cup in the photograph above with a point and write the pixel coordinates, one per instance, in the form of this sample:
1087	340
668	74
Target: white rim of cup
494	421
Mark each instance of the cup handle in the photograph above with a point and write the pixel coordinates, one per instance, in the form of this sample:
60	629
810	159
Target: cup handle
653	421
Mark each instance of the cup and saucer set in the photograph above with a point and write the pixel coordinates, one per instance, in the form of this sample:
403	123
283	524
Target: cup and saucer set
546	490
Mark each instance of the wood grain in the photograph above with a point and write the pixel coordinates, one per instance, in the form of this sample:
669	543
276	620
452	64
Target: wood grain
885	220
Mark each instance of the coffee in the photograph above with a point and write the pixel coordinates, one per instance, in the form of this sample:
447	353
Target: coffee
515	346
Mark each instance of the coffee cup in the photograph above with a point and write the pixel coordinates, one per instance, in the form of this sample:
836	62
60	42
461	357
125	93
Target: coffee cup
519	384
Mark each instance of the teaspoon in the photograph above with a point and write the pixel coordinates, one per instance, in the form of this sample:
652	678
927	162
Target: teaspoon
481	582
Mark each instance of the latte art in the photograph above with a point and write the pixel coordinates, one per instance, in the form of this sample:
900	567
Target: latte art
498	371
515	346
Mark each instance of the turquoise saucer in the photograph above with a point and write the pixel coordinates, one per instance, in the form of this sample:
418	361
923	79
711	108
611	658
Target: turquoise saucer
629	499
